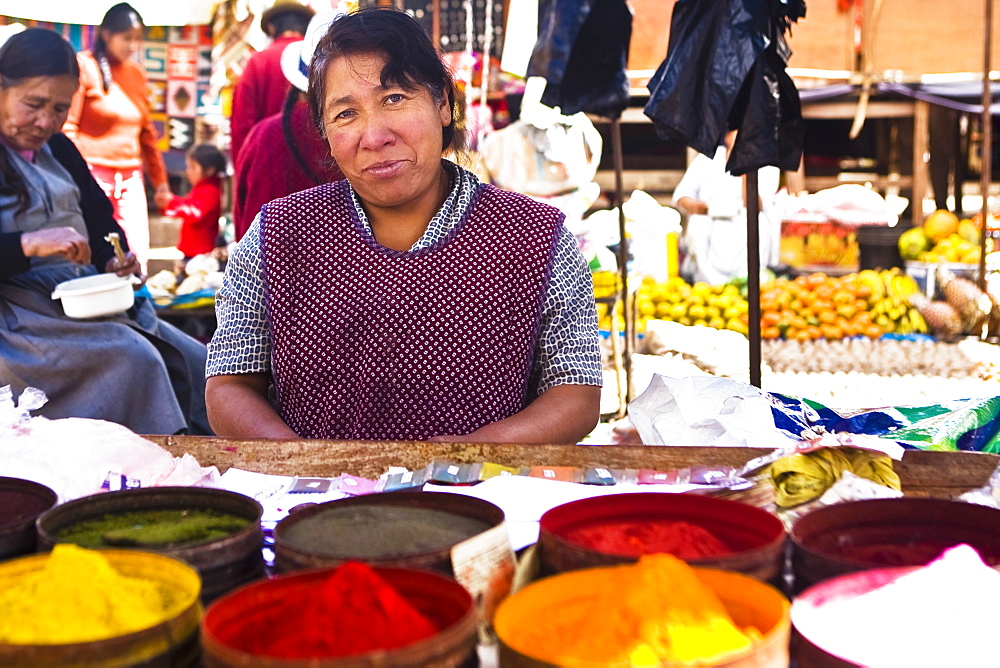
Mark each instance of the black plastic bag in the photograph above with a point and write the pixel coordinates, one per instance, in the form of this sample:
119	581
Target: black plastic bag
581	52
725	69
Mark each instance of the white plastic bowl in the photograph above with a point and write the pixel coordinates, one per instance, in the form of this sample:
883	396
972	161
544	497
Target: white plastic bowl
95	296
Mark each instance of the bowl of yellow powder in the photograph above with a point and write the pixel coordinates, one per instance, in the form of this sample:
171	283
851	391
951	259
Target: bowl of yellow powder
657	612
75	606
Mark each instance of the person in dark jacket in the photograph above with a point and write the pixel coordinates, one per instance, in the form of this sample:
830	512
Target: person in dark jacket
128	368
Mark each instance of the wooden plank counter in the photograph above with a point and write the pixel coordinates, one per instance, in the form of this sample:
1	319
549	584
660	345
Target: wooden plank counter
933	474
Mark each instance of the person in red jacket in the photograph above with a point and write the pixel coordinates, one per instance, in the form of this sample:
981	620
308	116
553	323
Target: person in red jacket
199	210
262	88
284	153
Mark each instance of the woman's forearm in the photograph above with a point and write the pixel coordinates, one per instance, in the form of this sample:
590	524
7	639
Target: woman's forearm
562	414
238	408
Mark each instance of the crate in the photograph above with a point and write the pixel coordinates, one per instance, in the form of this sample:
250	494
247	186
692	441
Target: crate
817	244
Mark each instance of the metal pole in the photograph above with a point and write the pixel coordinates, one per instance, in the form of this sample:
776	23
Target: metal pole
986	164
616	149
753	274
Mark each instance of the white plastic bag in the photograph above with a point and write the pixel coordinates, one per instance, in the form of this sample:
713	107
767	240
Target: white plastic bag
77	456
544	161
704	410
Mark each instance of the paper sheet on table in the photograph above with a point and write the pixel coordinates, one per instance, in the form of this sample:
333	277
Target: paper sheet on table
524	500
705	410
271	491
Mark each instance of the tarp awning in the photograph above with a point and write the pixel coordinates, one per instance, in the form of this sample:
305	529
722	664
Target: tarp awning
153	12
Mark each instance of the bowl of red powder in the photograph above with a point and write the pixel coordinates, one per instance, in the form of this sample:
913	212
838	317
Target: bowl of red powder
881	533
21	503
701	530
351	615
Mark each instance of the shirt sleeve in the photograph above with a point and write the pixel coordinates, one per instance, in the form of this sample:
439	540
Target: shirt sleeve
241	343
694	176
12	259
568	351
152	159
189	208
71	127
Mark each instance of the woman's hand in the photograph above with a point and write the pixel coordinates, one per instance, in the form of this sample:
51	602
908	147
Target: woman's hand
130	265
64	241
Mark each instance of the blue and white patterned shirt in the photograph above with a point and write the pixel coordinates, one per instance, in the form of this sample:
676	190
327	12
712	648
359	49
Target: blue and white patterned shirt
567	353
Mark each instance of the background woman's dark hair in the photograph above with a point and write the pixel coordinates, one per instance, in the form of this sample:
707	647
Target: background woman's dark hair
120	18
34	52
411	61
209	157
288	22
291	142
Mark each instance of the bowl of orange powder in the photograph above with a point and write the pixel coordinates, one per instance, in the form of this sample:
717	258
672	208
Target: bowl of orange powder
658	611
701	530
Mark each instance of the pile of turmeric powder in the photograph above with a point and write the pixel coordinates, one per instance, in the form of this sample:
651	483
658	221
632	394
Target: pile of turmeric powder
651	613
77	596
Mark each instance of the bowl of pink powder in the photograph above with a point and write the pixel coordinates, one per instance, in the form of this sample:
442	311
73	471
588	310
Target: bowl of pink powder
941	614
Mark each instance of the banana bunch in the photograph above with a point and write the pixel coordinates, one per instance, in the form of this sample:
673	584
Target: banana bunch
888	283
896	315
891	290
873	280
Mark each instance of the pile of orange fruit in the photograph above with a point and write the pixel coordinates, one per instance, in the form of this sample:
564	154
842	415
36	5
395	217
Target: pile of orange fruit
817	306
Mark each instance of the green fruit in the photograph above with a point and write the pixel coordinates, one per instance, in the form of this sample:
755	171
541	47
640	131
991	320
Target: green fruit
912	243
968	231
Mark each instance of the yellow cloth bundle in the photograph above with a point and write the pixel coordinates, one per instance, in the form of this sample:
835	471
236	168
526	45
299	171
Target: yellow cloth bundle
802	477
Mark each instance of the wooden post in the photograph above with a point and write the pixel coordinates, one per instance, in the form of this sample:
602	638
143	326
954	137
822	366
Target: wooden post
986	163
616	148
753	274
921	130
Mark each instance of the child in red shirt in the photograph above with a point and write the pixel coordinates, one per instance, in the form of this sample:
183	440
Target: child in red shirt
199	210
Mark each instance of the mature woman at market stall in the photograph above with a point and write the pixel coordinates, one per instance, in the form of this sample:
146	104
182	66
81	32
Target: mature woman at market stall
130	368
408	301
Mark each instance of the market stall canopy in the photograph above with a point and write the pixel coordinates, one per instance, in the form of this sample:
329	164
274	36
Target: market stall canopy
963	96
153	12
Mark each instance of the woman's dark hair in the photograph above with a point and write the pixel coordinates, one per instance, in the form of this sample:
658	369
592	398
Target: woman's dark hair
291	100
120	18
34	52
288	22
411	61
209	157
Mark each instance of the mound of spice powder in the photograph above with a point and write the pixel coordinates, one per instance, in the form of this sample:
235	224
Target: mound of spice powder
941	614
351	612
78	596
655	612
633	538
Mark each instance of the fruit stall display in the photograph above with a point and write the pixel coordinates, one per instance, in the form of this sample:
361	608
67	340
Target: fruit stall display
945	238
809	307
938	298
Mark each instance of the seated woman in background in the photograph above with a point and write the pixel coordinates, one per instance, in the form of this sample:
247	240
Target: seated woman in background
129	368
409	301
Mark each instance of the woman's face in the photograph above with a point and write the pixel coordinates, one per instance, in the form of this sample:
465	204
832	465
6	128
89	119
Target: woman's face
34	110
123	45
386	140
